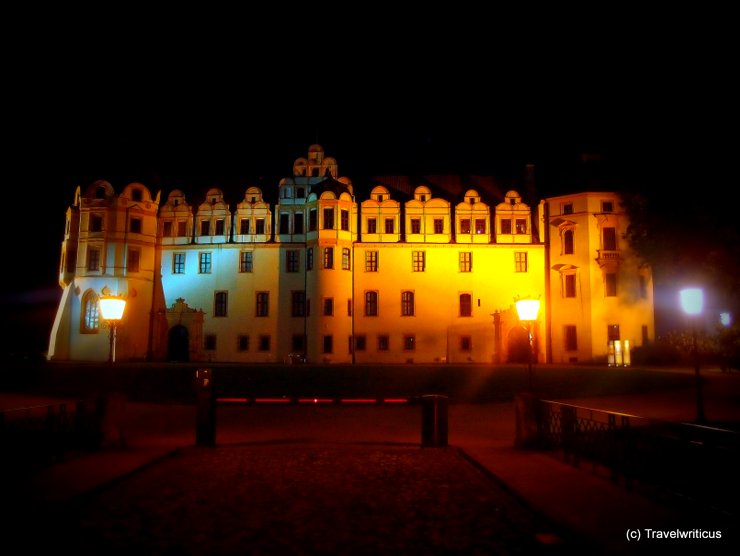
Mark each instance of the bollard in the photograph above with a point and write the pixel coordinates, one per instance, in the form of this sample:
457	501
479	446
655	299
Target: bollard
433	421
205	408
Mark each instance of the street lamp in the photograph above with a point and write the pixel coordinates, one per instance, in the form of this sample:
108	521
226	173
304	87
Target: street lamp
527	310
111	309
692	303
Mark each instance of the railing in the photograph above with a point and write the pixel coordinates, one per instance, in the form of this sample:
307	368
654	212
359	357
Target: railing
38	436
679	461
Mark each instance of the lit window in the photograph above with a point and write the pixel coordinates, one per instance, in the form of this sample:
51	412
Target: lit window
245	261
345	258
407	304
520	262
178	263
466	261
371	261
418	259
204	266
328	257
90	313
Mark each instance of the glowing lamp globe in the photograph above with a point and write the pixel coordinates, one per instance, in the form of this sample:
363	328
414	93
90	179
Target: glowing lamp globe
692	300
527	309
111	307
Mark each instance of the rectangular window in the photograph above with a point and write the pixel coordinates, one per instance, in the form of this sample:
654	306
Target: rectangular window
204	265
328	306
292	260
570	285
328	257
312	220
389	226
205	228
182	229
571	338
480	225
260	226
407	304
568	208
245	261
209	342
568	242
344	220
520	261
609	236
96	223
610	280
244	226
132	260
521	226
93	259
220	304
439	226
465	226
415	225
264	344
178	263
409	342
506	226
298	343
309	258
262	306
372	225
284	224
349	307
466	343
298	304
135	225
612	332
220	227
360	342
371	304
466	261
371	261
328	219
383	342
328	346
242	342
167	229
607	206
418	261
298	223
346	256
466	305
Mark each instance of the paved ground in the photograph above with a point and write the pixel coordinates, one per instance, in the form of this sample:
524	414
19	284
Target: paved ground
338	480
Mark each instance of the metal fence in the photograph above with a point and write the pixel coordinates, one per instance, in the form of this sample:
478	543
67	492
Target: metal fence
680	461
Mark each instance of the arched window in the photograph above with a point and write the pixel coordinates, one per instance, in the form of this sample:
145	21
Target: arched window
407	304
90	313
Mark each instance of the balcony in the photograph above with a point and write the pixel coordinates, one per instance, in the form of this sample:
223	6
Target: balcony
606	256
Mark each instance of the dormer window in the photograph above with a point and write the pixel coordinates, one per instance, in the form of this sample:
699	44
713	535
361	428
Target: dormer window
100	192
512	202
136	195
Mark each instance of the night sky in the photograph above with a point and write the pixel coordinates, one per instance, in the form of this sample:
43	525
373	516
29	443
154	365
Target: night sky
188	121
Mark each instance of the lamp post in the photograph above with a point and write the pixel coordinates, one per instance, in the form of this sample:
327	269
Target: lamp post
692	303
527	310
111	309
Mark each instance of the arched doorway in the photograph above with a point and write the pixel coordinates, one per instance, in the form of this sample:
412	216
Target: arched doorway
178	344
518	345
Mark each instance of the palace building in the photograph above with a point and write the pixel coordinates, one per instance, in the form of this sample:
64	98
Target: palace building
404	275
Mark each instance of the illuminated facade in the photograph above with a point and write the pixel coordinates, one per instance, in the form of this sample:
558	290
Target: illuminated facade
322	276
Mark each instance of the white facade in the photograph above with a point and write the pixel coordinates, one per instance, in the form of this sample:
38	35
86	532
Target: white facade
334	280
